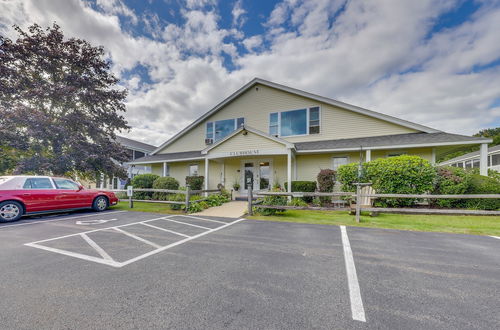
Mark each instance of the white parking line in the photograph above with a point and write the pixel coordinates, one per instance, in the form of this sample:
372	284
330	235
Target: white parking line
177	243
357	309
167	230
497	237
188	224
198	218
137	237
107	259
96	247
60	219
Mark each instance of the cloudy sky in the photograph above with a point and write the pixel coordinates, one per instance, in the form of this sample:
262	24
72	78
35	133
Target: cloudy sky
433	62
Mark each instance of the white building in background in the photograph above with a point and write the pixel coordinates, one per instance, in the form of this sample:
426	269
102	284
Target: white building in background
472	159
135	150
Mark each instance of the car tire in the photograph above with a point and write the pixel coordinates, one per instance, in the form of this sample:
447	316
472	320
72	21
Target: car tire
100	204
10	211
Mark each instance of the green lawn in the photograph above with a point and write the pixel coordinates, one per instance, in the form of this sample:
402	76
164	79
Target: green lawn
146	207
476	225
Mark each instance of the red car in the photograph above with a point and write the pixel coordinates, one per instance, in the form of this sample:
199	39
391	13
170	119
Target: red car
26	195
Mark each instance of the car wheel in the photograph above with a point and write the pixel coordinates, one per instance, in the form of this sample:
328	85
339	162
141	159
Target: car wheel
10	211
100	204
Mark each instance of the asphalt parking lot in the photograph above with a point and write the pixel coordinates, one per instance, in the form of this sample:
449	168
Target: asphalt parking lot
132	270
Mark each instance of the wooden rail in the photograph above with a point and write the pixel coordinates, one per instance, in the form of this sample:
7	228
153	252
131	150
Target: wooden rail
358	195
188	193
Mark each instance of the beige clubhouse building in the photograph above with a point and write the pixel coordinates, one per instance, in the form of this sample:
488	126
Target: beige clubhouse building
266	133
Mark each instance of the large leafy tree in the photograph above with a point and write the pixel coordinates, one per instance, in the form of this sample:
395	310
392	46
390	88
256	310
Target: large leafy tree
60	105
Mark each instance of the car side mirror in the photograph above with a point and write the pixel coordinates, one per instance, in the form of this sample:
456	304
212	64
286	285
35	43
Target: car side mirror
80	187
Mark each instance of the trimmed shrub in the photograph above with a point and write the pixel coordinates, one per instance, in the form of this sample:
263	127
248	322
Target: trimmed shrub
394	175
401	175
347	175
143	181
451	181
195	182
483	185
272	200
303	186
326	182
164	183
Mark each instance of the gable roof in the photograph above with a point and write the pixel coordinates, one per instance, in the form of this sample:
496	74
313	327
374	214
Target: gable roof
291	90
133	144
249	129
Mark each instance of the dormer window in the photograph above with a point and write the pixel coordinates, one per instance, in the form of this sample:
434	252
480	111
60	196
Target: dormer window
217	130
295	122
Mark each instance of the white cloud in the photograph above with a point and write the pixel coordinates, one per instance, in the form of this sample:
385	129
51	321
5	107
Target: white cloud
238	13
381	55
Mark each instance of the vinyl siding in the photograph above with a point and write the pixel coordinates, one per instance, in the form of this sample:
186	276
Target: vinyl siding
247	142
256	105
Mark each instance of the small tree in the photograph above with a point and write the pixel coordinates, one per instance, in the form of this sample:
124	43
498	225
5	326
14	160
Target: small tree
326	182
59	104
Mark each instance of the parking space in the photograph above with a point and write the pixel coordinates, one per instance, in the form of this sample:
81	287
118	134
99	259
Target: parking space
141	270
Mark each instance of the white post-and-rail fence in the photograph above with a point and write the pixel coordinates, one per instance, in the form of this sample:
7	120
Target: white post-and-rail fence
359	208
188	193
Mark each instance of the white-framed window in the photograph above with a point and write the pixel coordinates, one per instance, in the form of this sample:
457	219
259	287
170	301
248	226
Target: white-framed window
295	122
217	130
339	161
193	170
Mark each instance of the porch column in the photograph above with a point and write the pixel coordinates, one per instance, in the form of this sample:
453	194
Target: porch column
433	156
165	168
206	173
289	170
223	172
294	167
368	156
483	160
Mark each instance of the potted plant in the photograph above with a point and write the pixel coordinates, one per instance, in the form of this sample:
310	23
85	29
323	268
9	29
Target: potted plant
236	186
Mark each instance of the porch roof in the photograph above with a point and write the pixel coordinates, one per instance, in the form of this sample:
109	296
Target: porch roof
173	156
408	140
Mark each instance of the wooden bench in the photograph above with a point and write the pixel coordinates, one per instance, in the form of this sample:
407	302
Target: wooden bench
365	201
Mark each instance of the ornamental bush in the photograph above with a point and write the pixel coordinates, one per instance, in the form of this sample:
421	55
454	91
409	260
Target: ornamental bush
326	182
483	185
143	181
451	181
195	182
347	175
164	183
400	175
177	198
303	186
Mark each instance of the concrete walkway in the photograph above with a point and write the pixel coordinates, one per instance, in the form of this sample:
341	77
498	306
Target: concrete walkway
234	209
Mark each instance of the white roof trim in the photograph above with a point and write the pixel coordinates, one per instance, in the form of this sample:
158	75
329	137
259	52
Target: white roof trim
249	129
301	93
401	146
165	161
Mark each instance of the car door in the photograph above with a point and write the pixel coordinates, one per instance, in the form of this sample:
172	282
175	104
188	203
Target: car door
38	194
69	194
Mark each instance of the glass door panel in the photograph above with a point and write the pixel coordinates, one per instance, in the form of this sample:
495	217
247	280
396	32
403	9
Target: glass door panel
249	177
265	175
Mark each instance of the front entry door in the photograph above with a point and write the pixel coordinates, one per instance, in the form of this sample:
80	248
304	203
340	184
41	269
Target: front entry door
249	176
258	174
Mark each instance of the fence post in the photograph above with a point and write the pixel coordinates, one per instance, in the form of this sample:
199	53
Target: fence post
250	200
188	195
130	192
358	202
